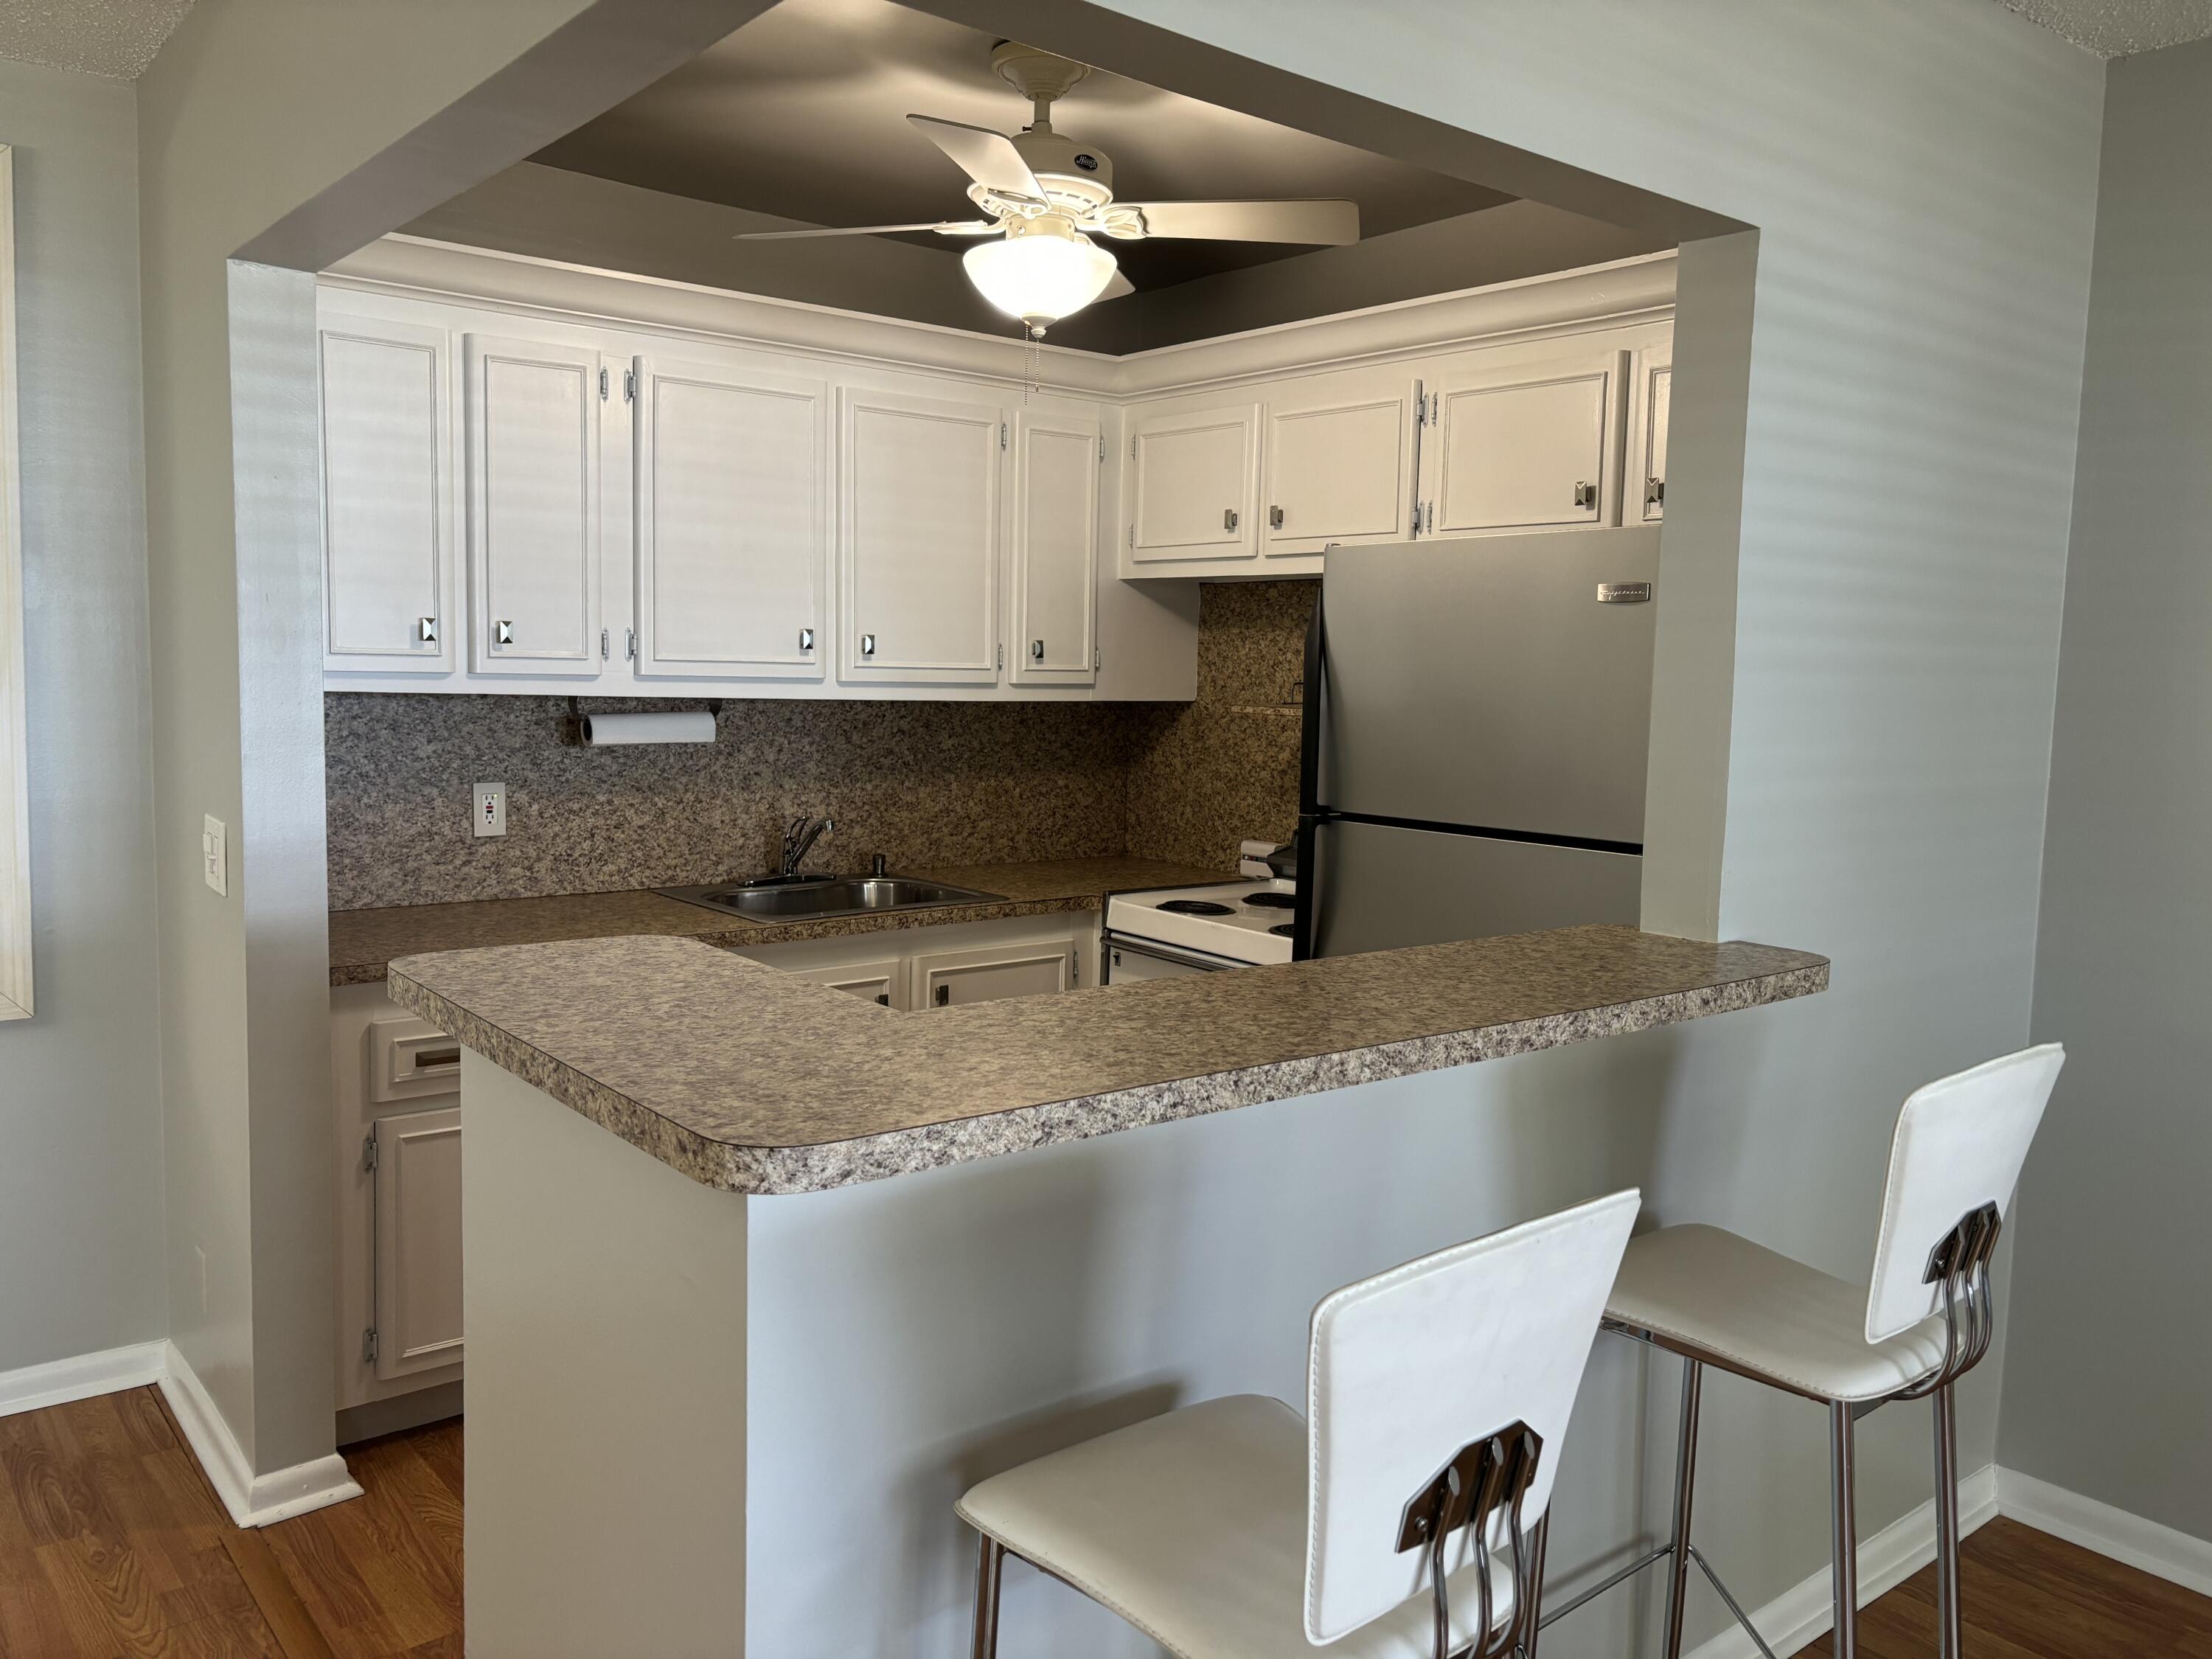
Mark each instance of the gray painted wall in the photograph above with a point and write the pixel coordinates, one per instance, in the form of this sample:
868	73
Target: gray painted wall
2105	1391
81	1184
1924	178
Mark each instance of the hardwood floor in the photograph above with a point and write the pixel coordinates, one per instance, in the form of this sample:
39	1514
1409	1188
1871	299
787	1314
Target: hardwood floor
113	1545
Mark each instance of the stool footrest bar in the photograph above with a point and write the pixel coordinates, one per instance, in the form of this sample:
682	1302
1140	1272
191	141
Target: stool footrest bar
1741	1618
1551	1615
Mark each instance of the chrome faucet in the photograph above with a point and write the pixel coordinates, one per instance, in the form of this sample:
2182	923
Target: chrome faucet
799	840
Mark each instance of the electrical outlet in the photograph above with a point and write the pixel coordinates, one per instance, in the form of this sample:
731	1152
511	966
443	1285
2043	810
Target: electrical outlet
215	855
199	1253
490	815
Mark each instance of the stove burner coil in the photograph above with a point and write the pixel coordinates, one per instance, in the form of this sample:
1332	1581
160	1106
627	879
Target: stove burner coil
1270	900
1283	930
1193	908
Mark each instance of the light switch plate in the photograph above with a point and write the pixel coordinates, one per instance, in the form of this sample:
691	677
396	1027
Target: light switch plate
215	855
488	816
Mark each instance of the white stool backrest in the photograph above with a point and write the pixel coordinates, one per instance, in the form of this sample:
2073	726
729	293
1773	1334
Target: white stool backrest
1409	1366
1959	1144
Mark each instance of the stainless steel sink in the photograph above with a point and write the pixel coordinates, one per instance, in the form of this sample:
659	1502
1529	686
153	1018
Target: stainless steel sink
809	898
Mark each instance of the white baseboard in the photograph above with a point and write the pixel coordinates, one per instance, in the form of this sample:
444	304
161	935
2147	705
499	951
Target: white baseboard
110	1371
1893	1555
2160	1550
254	1500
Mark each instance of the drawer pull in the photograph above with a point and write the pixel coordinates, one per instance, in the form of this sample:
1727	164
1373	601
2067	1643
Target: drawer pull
426	1058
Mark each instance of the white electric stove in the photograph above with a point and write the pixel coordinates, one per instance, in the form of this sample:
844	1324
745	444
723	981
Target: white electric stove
1195	930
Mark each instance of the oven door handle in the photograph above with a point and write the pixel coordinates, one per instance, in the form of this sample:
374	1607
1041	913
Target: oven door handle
1168	953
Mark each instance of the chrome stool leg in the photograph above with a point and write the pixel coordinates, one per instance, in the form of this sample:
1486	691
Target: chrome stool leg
1686	1472
1946	1523
1843	1474
990	1561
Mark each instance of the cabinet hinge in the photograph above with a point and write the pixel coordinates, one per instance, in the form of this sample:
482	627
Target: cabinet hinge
1133	538
369	1154
629	385
603	645
629	644
1416	518
1097	659
1132	446
1102	449
1002	435
368	1346
603	386
1002	653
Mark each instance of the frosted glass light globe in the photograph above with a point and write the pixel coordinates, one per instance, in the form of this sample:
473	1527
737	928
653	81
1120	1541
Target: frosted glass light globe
1040	271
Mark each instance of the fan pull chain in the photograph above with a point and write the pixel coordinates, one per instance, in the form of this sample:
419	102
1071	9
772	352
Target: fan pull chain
1029	362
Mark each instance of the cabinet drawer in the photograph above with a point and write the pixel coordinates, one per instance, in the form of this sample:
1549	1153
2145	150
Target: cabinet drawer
409	1059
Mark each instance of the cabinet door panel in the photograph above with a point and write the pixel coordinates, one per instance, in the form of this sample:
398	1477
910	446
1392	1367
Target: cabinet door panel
1339	467
1195	478
732	522
882	983
1655	389
418	1242
1527	449
534	421
387	498
1056	460
952	978
920	539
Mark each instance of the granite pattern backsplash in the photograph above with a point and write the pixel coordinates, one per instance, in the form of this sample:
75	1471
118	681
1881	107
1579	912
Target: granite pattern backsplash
923	783
1207	773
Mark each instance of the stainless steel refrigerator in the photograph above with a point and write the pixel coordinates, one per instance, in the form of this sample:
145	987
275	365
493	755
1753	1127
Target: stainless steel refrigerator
1477	725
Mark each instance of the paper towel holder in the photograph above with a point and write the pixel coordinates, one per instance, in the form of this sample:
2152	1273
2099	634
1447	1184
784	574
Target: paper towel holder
572	734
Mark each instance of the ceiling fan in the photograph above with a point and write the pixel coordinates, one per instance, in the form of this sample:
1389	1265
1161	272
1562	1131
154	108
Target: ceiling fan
1048	196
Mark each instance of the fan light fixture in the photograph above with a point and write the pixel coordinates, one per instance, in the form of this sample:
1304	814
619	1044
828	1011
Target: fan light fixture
1044	269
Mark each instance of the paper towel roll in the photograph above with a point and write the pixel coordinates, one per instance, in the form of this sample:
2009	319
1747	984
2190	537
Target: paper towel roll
695	726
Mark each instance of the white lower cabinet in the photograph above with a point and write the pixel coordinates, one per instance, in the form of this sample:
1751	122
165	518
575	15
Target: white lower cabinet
395	1086
944	967
417	1176
945	979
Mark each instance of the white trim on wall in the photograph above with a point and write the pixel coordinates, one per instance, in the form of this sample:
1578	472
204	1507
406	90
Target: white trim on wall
2156	1549
14	767
1615	294
59	1382
254	1500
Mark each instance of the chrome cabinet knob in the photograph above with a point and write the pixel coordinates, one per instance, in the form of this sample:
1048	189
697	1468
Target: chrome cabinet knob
1037	650
426	630
1229	518
502	633
1274	518
1585	495
1654	492
805	639
867	644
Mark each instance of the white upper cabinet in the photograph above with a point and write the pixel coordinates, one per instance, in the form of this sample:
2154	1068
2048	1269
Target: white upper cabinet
1339	459
1057	458
533	469
1194	482
1526	447
1647	434
918	538
733	502
387	498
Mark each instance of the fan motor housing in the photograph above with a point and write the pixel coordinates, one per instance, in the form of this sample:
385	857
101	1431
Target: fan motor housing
1080	176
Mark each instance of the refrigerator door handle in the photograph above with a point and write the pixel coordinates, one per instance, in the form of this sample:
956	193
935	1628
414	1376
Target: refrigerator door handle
1310	810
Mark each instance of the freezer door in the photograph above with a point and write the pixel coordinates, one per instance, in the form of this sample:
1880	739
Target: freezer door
1376	887
1491	682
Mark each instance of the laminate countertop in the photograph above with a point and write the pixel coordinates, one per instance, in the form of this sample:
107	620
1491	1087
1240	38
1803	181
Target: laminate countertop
750	1080
364	942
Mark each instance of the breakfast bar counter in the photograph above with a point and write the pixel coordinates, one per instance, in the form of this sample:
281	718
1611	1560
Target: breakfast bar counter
725	1374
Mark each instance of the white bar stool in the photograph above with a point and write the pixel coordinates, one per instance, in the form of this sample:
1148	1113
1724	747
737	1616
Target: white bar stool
1923	1322
1402	1518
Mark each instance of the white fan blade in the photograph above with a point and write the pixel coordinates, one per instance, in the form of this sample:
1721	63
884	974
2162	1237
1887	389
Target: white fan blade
1116	286
959	228
1251	221
988	157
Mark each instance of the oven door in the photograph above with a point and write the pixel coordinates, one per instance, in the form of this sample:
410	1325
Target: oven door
1128	960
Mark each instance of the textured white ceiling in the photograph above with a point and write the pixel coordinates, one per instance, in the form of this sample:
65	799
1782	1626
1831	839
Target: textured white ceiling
116	37
2120	28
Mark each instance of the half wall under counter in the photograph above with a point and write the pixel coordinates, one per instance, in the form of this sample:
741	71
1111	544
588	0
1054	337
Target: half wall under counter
748	1080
